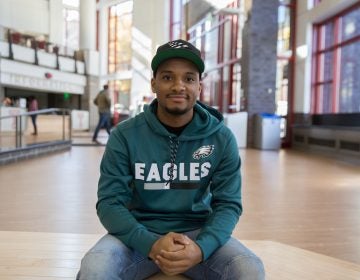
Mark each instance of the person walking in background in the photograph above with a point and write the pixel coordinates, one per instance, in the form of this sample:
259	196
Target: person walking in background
103	102
169	192
33	106
7	102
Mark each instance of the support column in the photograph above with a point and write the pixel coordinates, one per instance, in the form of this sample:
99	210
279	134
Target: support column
259	60
56	22
87	24
103	40
87	45
91	90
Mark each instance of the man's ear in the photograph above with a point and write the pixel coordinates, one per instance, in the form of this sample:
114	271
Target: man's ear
153	85
200	86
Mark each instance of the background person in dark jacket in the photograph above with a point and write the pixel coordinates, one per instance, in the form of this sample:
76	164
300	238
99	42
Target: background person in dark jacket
102	100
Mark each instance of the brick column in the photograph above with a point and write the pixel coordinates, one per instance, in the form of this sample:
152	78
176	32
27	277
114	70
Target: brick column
259	60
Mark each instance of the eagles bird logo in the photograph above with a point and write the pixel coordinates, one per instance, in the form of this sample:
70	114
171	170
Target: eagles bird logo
203	152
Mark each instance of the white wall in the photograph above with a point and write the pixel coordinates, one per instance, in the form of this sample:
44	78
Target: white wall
56	22
304	21
25	15
24	75
38	17
91	62
152	19
150	29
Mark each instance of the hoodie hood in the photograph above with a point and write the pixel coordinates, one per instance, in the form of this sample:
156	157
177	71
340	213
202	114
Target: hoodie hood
205	122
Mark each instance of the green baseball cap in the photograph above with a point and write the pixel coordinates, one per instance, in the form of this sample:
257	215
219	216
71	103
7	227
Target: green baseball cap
178	49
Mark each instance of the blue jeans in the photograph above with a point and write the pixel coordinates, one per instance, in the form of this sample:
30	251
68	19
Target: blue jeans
33	120
104	121
110	259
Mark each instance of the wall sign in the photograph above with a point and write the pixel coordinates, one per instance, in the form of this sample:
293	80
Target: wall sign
19	80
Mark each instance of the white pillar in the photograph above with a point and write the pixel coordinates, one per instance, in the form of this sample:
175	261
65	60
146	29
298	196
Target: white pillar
87	24
103	39
150	29
56	22
2	34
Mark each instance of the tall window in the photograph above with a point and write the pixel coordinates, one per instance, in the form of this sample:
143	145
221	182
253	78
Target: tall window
176	16
217	36
71	26
119	54
336	67
285	61
120	24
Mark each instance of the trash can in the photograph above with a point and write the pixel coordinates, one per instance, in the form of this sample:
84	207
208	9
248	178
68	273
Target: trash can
267	131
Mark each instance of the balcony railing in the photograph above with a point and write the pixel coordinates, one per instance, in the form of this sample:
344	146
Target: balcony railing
27	49
16	129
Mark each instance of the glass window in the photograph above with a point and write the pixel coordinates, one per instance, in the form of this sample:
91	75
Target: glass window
198	36
282	87
71	3
336	85
327	36
285	2
326	98
119	94
350	26
211	49
119	46
237	97
177	10
349	95
285	55
71	27
119	55
327	73
211	83
176	7
217	38
283	43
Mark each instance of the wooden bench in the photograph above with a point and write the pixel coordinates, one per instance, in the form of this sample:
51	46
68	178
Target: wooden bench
56	256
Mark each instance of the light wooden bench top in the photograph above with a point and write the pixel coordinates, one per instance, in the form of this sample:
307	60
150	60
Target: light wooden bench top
56	256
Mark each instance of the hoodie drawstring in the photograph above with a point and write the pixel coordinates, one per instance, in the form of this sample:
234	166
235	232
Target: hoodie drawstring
174	144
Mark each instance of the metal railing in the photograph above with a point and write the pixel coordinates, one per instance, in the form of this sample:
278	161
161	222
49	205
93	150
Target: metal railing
16	128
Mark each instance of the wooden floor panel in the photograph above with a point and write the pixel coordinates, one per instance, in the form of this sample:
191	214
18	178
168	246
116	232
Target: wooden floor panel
37	255
34	255
286	262
302	200
19	277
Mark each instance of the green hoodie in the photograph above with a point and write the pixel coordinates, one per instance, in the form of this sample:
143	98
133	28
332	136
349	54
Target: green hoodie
138	199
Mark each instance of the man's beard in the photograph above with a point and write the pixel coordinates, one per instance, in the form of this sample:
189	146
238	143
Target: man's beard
177	111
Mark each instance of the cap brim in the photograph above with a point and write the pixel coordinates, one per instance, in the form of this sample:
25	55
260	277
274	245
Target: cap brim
177	53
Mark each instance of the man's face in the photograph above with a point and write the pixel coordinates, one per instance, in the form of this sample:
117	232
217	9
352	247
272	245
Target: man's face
177	86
